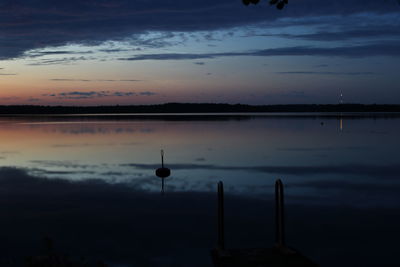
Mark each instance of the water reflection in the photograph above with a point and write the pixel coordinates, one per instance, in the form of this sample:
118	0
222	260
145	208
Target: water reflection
73	178
247	151
341	124
126	226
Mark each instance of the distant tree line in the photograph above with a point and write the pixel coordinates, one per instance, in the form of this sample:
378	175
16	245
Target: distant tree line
193	108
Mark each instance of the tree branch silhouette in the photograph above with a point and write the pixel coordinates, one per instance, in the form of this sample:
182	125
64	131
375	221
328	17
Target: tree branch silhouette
280	4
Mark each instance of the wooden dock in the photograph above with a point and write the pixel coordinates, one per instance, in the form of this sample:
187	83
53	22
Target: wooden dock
277	256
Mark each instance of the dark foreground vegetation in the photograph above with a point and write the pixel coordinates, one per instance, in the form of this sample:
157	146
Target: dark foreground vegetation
195	108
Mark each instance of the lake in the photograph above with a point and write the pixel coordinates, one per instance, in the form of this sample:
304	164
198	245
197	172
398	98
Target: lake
88	183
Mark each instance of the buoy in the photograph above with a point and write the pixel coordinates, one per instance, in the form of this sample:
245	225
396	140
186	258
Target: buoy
163	172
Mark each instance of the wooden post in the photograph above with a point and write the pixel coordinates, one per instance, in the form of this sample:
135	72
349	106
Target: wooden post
279	214
221	237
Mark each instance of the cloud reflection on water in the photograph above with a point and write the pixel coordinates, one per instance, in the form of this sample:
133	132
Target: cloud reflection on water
377	171
108	186
354	185
121	223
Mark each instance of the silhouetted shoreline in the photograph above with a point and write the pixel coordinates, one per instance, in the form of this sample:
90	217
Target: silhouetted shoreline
195	108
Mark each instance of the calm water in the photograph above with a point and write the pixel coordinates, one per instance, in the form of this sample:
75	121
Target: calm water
101	199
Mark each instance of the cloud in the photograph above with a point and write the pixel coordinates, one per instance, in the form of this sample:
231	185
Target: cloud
58	61
305	149
78	95
177	56
75	145
69	80
9	152
199	63
28	25
9	98
97	94
344	34
321	66
147	93
7	74
96	80
114	50
382	49
33	54
326	73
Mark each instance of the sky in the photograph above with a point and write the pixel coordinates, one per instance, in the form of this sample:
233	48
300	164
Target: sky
109	52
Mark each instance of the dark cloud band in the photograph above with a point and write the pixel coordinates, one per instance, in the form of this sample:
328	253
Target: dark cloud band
98	94
27	25
382	49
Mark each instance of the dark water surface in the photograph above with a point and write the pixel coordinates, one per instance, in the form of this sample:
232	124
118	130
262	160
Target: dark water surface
88	183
